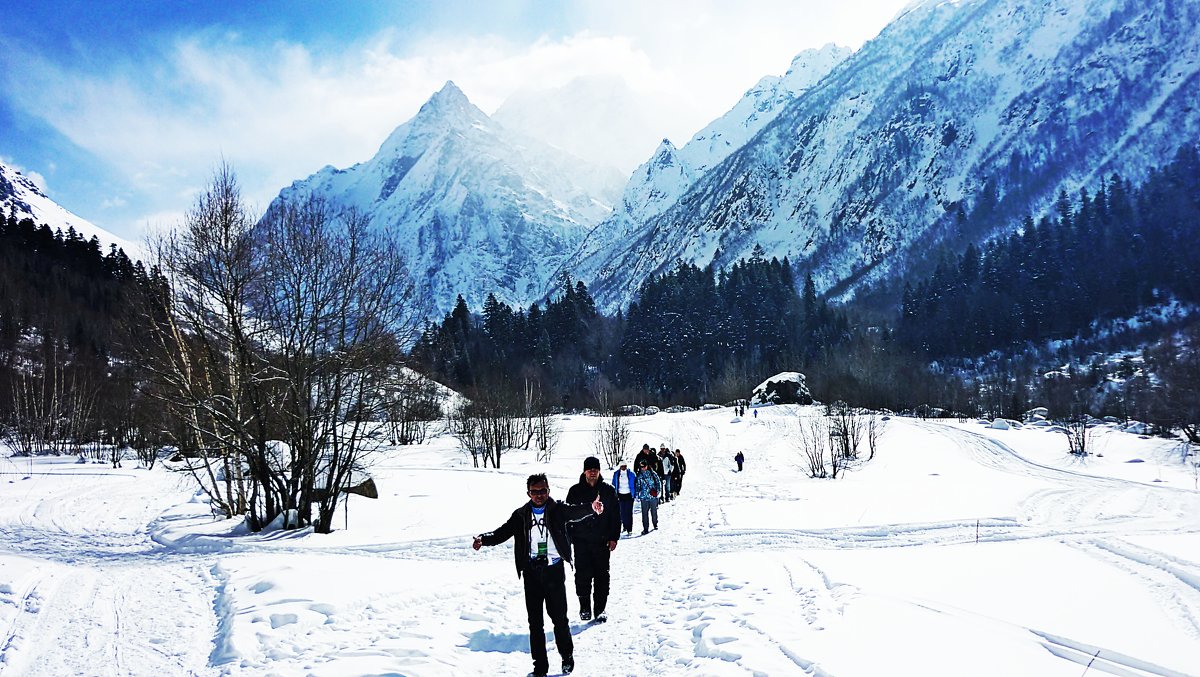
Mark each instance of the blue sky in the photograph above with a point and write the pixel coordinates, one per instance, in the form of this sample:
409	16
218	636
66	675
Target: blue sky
122	109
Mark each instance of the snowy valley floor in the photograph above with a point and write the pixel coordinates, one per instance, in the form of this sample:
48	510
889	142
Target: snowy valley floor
959	550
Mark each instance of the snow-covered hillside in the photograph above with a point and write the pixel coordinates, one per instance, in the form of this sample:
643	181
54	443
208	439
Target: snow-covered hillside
657	184
21	196
953	101
960	550
477	208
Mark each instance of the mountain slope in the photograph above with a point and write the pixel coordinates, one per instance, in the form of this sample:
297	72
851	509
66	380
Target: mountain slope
477	208
21	196
993	105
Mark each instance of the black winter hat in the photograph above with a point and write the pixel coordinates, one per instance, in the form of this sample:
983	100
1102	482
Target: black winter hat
591	463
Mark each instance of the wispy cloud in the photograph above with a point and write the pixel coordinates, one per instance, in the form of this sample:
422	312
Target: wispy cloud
279	111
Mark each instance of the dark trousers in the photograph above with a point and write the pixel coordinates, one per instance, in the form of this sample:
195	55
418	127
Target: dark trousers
649	509
591	564
626	511
546	584
676	483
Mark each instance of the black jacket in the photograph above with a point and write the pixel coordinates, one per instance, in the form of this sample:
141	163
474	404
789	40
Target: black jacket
520	522
595	528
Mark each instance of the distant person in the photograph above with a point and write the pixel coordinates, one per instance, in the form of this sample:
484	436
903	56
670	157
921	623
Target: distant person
740	460
755	413
594	538
540	531
677	473
625	484
647	492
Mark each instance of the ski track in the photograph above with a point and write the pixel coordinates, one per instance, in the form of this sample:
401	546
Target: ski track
88	602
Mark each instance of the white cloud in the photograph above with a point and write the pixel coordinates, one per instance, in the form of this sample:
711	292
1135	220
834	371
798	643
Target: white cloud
278	112
113	202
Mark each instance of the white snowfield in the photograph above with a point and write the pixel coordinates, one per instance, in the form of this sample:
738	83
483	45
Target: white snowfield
960	550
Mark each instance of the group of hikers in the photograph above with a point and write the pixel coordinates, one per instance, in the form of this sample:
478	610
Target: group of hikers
589	523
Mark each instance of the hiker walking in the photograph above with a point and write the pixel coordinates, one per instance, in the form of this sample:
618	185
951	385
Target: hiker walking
677	473
594	538
647	492
740	460
625	484
539	530
667	460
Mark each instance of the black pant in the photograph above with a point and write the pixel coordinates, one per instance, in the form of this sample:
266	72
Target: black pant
546	584
626	511
591	563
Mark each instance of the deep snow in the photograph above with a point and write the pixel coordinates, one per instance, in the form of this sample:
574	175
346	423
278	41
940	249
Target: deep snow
960	550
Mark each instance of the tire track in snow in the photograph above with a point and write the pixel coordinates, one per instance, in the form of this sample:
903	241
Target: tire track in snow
1172	581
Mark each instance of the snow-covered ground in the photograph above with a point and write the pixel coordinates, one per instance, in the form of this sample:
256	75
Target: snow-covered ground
960	550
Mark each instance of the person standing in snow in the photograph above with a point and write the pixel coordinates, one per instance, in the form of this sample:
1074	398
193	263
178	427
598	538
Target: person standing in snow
625	484
540	531
666	460
594	538
647	492
646	455
740	460
677	474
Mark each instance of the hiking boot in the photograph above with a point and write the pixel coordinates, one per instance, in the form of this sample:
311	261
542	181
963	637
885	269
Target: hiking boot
602	617
585	615
646	531
568	665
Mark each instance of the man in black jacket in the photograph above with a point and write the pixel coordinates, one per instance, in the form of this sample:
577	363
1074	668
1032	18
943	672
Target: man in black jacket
540	531
594	538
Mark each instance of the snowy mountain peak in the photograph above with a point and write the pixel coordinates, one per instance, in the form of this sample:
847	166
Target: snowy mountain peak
448	101
809	66
666	154
477	208
989	105
19	195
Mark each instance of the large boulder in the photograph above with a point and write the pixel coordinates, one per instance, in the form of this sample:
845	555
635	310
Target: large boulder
789	387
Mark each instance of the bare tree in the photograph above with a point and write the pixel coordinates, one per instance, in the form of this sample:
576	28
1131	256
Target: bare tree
545	428
338	301
200	348
612	434
812	439
1079	435
875	426
486	427
847	428
411	403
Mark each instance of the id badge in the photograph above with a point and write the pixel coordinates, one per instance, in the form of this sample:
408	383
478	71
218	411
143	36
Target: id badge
542	549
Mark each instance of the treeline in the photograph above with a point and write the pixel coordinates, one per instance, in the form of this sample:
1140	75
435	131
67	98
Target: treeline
694	335
1098	257
65	374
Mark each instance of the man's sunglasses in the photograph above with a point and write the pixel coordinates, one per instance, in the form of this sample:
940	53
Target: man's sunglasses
539	492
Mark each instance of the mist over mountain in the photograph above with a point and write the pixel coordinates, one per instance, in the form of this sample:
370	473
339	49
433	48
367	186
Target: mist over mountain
598	118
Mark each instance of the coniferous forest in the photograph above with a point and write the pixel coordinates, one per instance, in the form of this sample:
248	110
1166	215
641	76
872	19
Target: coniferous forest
694	335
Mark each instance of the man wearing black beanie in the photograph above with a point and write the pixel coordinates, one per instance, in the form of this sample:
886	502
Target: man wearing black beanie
594	538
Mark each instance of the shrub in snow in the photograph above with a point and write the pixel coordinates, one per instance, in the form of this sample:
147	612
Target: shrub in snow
787	387
710	407
631	410
1000	424
679	409
650	411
